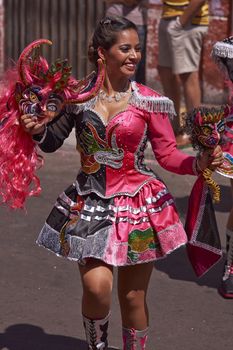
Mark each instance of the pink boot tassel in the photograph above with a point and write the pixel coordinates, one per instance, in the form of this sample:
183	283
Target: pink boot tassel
133	339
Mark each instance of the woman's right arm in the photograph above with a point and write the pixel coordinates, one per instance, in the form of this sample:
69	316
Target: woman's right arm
51	136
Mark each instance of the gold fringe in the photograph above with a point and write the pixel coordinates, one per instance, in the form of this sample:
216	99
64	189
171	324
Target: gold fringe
65	248
215	188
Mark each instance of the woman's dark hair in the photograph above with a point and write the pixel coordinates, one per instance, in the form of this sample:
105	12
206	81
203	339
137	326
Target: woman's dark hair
105	34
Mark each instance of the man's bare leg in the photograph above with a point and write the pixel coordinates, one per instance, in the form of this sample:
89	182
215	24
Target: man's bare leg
171	87
192	90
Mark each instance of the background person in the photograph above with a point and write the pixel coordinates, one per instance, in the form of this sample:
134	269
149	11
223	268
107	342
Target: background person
223	54
181	33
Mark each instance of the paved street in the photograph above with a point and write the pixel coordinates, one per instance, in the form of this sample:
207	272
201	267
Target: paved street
40	294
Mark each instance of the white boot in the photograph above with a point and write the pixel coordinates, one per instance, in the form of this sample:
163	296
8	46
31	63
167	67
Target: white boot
133	339
96	333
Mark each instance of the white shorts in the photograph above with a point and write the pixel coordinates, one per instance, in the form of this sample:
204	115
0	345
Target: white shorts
180	49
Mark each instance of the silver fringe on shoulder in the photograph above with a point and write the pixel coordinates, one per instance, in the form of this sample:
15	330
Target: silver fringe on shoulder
78	108
159	104
221	50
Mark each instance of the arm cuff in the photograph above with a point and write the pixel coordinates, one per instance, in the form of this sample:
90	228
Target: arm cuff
39	138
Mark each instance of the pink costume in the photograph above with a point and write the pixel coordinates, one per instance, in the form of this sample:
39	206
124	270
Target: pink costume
117	210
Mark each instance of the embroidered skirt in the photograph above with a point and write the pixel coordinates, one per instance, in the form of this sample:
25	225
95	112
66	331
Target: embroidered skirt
120	231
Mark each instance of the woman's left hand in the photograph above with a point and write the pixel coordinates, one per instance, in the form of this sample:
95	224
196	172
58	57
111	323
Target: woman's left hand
211	159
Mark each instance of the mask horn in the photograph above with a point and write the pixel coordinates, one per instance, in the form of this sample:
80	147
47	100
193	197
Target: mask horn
22	62
85	96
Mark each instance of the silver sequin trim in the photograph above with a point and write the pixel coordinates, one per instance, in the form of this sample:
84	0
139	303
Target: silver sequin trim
62	209
126	219
158	104
193	239
132	210
149	103
221	49
112	158
66	199
43	137
139	164
80	248
155	199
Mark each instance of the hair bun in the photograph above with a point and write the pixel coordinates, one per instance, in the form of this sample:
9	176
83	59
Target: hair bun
105	21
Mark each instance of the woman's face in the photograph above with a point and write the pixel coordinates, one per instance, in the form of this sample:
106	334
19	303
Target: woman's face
122	58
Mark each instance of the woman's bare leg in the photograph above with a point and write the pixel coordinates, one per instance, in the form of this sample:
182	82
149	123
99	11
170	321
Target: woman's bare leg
171	88
97	280
192	90
132	289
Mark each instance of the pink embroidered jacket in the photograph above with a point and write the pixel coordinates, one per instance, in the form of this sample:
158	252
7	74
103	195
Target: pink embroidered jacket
112	154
